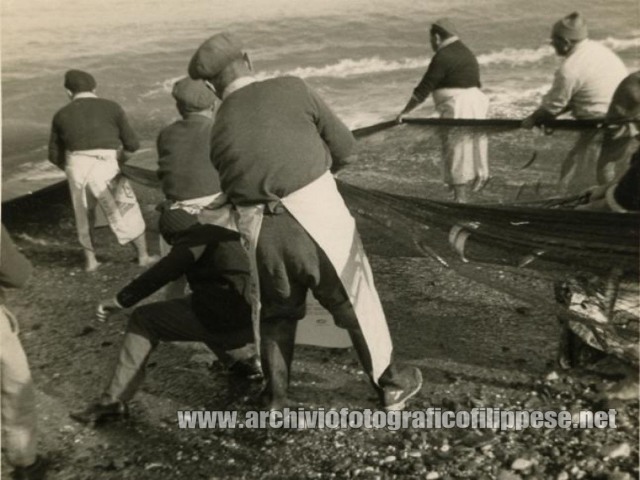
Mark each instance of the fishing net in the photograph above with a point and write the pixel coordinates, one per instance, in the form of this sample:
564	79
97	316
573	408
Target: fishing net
521	220
520	226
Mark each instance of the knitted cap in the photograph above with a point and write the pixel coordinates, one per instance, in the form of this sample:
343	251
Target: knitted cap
193	95
78	81
446	25
572	27
175	221
214	55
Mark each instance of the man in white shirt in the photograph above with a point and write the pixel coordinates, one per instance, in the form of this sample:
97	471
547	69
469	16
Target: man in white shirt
583	85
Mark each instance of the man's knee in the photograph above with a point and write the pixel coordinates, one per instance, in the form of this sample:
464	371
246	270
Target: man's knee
140	323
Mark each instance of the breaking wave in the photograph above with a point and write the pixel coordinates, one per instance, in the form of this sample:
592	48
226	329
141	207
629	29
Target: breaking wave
349	67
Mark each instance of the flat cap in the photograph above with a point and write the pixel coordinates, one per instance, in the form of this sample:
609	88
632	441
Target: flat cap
193	95
214	55
78	81
572	27
445	24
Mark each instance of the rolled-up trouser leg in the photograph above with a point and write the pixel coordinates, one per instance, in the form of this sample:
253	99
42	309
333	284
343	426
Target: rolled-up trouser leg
18	396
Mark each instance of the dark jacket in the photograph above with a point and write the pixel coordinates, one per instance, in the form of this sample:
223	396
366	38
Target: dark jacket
217	269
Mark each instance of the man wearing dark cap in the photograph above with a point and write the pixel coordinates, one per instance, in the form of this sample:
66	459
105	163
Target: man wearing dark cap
185	171
215	313
583	85
453	76
189	180
275	144
86	136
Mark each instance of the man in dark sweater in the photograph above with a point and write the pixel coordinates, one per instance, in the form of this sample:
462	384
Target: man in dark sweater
453	76
86	136
184	168
274	144
19	433
216	312
189	180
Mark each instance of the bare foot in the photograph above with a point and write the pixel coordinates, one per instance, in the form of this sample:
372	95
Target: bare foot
92	266
148	260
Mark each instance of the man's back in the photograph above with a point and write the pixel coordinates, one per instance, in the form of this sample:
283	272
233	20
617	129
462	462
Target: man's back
453	66
93	123
184	167
592	73
273	137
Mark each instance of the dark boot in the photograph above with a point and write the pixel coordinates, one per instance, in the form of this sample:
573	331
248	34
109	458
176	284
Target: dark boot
276	349
98	413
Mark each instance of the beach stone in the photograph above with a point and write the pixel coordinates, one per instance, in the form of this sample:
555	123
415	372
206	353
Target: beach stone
390	459
432	476
552	376
521	464
507	475
620	450
562	476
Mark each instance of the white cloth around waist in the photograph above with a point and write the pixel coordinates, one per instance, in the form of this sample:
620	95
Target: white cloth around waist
461	102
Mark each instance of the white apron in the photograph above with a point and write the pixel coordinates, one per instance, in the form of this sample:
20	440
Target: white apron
321	211
92	181
465	153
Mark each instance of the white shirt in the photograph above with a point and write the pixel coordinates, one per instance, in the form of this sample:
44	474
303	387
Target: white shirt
585	81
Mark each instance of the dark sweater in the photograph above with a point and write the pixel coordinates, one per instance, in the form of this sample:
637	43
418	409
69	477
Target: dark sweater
217	269
184	168
90	123
15	269
271	138
453	66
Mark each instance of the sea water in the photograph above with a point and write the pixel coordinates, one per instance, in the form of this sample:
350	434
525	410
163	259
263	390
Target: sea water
364	57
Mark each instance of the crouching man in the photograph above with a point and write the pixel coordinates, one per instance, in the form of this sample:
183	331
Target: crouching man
216	312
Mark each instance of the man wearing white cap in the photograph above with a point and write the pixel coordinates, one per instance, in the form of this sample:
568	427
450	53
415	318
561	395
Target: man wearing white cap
275	144
583	85
453	77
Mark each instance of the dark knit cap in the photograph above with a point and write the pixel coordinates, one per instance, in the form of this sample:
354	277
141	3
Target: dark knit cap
444	25
572	27
175	221
214	55
193	95
78	81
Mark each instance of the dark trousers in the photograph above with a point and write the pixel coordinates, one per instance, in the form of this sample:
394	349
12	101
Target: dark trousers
290	263
168	321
